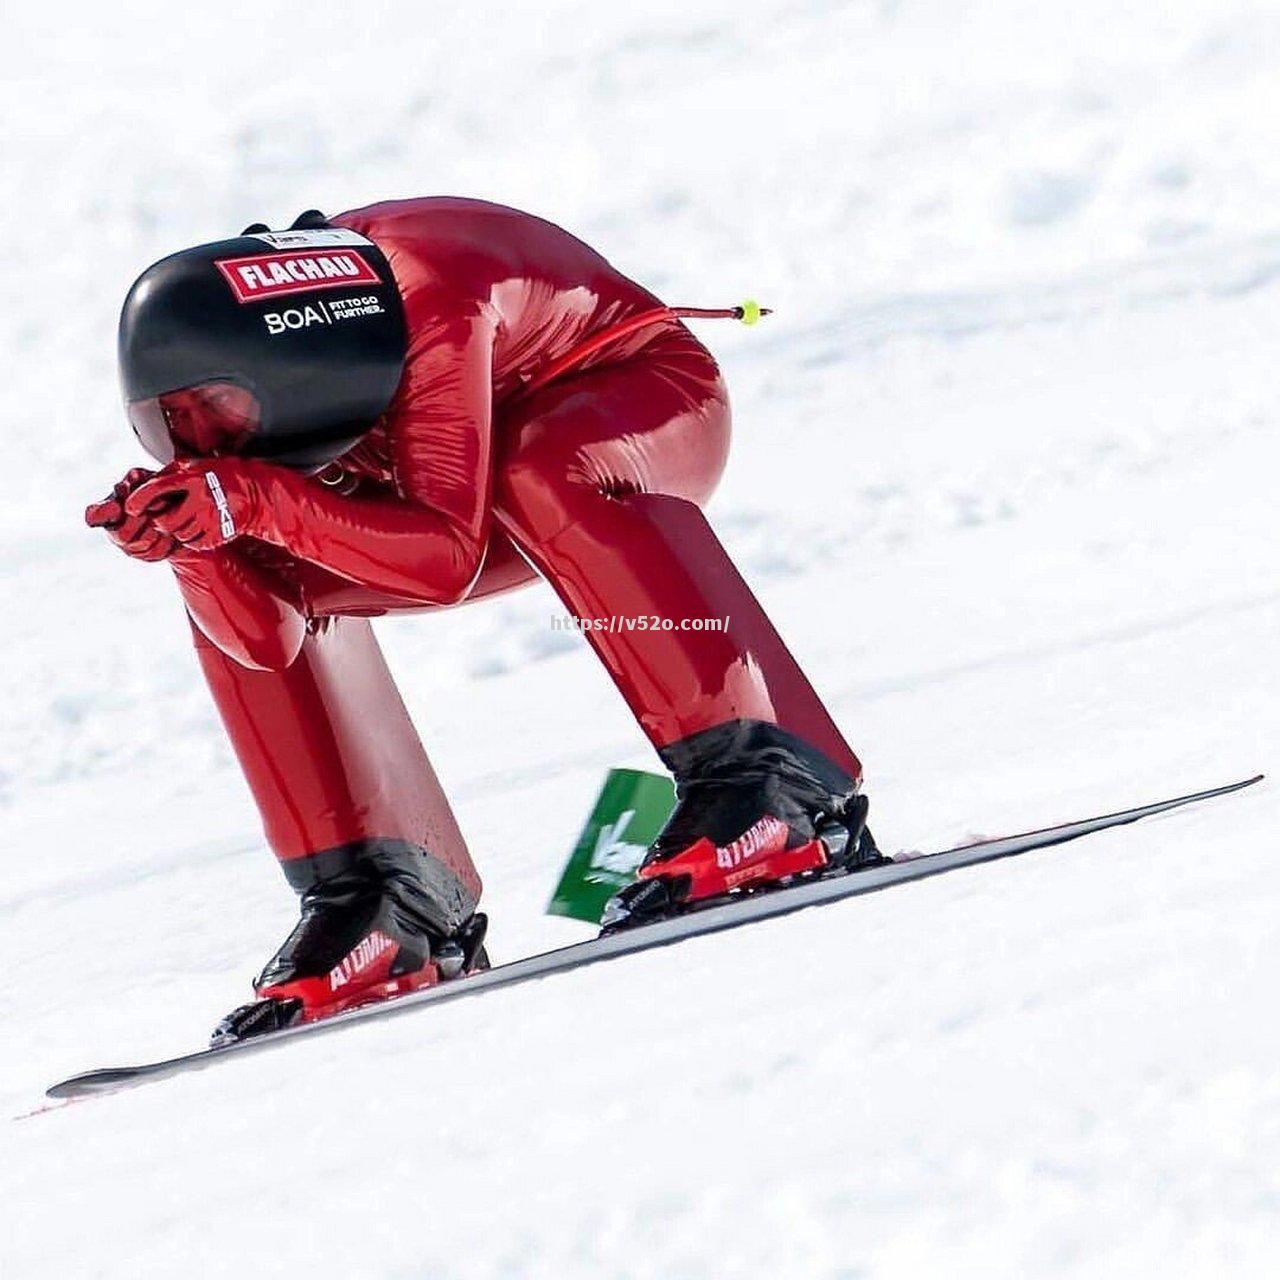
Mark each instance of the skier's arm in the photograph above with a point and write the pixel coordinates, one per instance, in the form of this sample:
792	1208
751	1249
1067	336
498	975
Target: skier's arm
326	594
425	545
251	614
384	543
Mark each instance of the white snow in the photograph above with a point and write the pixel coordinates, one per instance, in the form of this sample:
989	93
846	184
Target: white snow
1005	473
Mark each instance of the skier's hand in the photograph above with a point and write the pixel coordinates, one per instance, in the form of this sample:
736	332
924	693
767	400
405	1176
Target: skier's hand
136	536
202	502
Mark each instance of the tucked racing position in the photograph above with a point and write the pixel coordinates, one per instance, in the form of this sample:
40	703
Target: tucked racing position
413	406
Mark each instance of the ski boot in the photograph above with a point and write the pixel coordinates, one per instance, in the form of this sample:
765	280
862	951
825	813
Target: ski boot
755	808
377	921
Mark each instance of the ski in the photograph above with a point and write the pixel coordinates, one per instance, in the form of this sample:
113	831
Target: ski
710	917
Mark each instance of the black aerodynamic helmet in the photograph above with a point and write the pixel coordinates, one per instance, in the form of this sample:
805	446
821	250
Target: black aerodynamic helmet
283	345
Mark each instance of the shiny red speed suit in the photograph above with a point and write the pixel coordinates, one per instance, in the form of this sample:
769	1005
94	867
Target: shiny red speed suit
465	488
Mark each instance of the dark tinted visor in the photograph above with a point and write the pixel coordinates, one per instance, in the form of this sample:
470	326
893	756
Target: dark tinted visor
205	421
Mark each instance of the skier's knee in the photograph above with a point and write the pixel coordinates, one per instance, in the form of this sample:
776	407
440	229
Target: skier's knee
537	499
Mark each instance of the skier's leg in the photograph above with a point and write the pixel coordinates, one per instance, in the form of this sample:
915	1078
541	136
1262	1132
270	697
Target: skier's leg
328	749
600	480
333	760
599	483
352	808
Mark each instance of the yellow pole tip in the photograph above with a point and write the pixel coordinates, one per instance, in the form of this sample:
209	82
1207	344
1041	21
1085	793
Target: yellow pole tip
750	311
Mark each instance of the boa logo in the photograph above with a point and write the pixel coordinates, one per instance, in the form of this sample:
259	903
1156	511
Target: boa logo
268	275
293	318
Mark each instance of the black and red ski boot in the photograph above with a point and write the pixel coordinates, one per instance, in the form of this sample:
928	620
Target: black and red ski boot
379	918
755	807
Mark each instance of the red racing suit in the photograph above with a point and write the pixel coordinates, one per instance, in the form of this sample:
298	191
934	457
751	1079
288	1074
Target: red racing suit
469	485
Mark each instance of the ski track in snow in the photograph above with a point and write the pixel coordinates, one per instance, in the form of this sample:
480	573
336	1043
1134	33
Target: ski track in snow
1004	474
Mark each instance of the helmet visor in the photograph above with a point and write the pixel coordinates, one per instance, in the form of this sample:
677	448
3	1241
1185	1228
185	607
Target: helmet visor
205	421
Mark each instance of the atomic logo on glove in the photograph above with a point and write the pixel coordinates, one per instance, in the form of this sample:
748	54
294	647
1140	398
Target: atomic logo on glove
225	522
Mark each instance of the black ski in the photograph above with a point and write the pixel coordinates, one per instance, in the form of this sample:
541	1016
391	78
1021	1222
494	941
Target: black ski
709	918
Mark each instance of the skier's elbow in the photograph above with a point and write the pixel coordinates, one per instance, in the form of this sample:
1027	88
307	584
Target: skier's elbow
453	575
270	649
270	653
454	587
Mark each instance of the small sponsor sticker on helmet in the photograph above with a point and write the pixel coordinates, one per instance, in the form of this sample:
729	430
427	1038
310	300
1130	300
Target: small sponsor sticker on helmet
268	275
314	238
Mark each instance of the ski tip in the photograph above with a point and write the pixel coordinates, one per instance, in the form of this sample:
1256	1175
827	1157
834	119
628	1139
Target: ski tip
91	1082
1226	789
1245	782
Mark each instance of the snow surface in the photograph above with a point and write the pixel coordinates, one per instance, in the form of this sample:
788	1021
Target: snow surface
1005	473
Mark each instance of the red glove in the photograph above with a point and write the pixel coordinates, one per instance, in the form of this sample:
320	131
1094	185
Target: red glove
136	535
203	503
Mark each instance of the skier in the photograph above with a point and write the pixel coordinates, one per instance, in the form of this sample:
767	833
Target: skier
411	406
